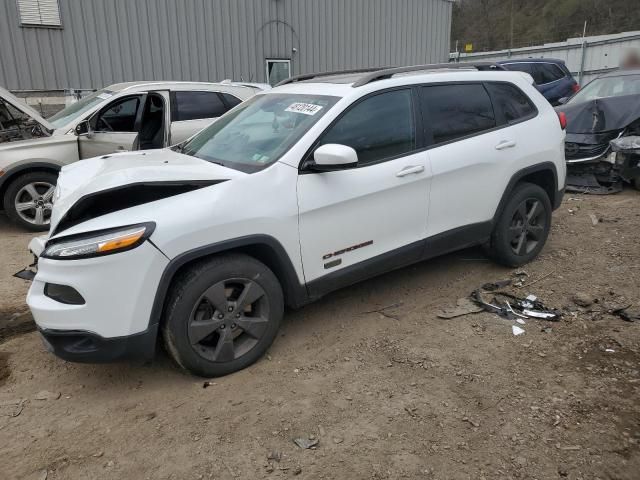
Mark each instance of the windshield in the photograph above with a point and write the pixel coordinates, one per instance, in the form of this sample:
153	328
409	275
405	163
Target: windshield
608	87
74	110
259	131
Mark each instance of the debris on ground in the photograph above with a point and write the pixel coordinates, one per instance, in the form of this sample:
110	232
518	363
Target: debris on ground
46	395
306	442
510	306
517	330
464	306
12	408
594	219
584	182
626	315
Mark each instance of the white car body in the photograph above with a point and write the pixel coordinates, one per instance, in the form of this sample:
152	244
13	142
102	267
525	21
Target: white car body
369	220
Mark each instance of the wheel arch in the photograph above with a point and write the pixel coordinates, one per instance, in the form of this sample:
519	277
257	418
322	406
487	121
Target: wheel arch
10	175
545	175
263	248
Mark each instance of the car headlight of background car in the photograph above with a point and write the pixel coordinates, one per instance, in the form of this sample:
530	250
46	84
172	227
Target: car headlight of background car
94	244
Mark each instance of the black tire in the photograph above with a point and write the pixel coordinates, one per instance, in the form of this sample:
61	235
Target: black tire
191	311
507	245
636	182
17	188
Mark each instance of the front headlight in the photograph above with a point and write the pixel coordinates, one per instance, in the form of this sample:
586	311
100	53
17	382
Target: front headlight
93	244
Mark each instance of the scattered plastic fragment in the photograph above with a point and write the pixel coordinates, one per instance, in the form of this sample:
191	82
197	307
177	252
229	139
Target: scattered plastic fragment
517	330
306	443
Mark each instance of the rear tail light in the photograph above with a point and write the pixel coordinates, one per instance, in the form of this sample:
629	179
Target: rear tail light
563	120
575	87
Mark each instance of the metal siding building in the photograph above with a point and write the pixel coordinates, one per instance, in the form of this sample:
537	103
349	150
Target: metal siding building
586	58
101	42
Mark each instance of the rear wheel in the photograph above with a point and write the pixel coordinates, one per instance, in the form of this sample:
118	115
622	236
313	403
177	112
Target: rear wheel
28	200
222	315
523	227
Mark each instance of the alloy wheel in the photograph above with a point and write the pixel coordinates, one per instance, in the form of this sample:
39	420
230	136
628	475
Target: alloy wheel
528	226
33	202
228	319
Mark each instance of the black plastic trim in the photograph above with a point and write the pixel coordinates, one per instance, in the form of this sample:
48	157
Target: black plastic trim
63	294
457	239
369	268
150	227
12	173
520	174
65	223
295	293
87	347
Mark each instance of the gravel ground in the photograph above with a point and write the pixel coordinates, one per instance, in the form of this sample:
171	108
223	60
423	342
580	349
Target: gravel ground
388	393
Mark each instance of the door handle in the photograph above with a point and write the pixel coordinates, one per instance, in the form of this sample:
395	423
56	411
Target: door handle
409	170
505	144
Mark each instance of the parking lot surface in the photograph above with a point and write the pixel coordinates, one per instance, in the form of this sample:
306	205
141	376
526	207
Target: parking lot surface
388	389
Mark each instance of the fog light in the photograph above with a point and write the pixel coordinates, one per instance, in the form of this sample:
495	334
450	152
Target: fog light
63	294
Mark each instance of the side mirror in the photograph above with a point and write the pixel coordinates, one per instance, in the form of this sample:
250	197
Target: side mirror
563	100
332	156
83	128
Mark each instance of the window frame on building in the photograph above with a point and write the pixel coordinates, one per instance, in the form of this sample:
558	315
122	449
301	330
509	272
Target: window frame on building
267	61
39	13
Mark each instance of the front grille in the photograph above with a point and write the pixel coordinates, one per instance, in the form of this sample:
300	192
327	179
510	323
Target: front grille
576	151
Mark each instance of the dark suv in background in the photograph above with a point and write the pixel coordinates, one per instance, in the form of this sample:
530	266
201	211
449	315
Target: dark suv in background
553	78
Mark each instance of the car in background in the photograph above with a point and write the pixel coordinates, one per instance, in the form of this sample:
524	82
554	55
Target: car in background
552	77
602	147
121	117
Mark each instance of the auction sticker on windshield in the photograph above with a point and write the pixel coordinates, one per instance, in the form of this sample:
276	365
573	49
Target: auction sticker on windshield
304	108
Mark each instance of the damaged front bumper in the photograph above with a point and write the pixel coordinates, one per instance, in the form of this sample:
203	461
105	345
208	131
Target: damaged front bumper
36	247
614	163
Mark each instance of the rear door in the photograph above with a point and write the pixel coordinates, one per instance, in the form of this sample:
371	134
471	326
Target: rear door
471	154
361	221
191	111
114	128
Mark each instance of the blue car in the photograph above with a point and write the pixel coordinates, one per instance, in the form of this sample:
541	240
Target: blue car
553	78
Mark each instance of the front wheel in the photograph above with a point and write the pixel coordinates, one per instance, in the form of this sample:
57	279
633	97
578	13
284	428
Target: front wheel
523	227
222	315
29	199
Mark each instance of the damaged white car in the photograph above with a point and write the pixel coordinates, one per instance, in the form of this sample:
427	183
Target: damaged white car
122	117
307	188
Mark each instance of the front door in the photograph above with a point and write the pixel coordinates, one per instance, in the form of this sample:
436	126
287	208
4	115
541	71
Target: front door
371	218
114	128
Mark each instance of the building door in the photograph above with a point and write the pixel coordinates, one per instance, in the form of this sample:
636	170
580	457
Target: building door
278	70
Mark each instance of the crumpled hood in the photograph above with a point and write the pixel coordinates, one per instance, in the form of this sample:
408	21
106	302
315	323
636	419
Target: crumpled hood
103	174
601	115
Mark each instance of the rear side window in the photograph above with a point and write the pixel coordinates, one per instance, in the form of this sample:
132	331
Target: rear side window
195	105
378	128
456	111
547	73
231	100
541	72
510	103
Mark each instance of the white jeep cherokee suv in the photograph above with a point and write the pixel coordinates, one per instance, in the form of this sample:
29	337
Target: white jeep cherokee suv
319	183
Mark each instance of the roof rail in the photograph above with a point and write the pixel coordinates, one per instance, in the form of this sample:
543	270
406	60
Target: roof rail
390	72
310	76
380	73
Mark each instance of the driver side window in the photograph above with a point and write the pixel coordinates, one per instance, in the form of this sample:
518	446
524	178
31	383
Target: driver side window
378	128
119	116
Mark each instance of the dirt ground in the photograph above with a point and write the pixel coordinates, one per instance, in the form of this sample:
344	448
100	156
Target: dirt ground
398	393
